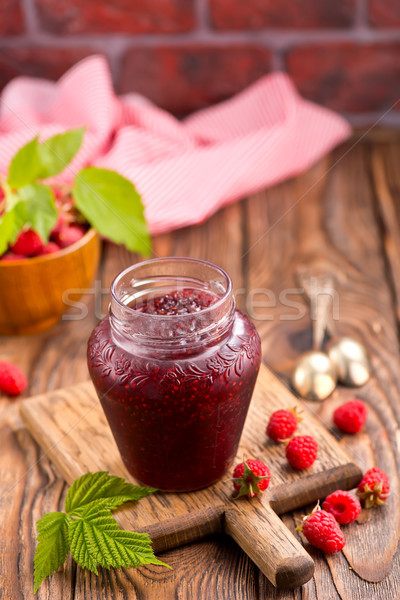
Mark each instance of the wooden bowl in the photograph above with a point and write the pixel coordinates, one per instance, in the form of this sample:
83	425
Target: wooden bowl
33	291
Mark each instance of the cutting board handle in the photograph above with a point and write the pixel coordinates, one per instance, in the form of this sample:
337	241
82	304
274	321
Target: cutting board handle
261	534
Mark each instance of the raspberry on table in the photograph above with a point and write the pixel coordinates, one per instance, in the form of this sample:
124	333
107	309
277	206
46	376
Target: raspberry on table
343	506
373	489
251	477
350	416
302	451
28	243
282	424
322	531
12	380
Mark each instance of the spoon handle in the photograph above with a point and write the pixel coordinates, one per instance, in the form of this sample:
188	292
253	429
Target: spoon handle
318	289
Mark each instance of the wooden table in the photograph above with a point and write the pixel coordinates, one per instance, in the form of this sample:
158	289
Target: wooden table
342	217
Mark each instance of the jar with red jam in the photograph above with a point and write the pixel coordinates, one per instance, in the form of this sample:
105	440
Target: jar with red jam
174	366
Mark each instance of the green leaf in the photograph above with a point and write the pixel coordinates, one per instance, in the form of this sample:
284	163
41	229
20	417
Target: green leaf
106	491
24	166
37	208
7	230
112	205
53	546
55	153
96	540
89	531
38	161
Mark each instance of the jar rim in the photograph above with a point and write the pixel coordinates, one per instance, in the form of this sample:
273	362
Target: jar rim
215	306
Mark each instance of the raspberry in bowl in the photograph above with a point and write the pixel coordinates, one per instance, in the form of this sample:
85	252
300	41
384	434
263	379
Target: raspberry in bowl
174	366
36	290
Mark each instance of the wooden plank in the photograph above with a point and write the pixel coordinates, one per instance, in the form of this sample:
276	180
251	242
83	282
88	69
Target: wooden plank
24	475
333	229
386	184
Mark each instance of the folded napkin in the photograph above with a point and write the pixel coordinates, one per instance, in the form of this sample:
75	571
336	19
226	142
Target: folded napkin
184	170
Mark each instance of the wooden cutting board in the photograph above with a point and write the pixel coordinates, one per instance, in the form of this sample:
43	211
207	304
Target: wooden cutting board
70	426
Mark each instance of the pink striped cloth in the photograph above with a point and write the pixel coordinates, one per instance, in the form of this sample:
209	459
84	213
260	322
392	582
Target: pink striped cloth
184	170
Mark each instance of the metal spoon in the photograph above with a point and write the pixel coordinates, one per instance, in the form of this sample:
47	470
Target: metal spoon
314	376
351	360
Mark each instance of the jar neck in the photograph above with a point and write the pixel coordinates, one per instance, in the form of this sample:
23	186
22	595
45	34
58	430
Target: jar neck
145	334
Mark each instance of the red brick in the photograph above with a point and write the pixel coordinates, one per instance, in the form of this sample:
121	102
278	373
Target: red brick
294	14
348	77
119	16
11	20
183	79
38	62
384	13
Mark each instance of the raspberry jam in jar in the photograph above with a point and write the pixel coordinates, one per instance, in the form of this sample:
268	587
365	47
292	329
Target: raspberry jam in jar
174	366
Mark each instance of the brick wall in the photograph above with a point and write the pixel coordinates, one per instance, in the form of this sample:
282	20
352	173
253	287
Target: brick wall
185	54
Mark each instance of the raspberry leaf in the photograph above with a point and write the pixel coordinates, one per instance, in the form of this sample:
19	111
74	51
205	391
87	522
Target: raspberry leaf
102	490
37	208
7	229
112	205
56	153
24	166
89	531
53	545
96	540
39	161
108	201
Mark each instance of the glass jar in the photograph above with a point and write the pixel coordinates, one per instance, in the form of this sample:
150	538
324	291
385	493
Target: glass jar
174	366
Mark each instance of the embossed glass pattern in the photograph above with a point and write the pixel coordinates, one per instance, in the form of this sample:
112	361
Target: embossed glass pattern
175	383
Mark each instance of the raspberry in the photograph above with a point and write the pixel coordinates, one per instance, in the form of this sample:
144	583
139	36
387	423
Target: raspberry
49	248
179	302
61	223
11	256
373	489
12	379
251	477
343	506
302	451
322	530
69	235
282	424
28	243
350	416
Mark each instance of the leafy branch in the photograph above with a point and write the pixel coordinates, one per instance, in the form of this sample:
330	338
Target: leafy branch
108	201
88	530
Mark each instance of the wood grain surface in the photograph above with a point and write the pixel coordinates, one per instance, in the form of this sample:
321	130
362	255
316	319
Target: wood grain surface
341	216
70	426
